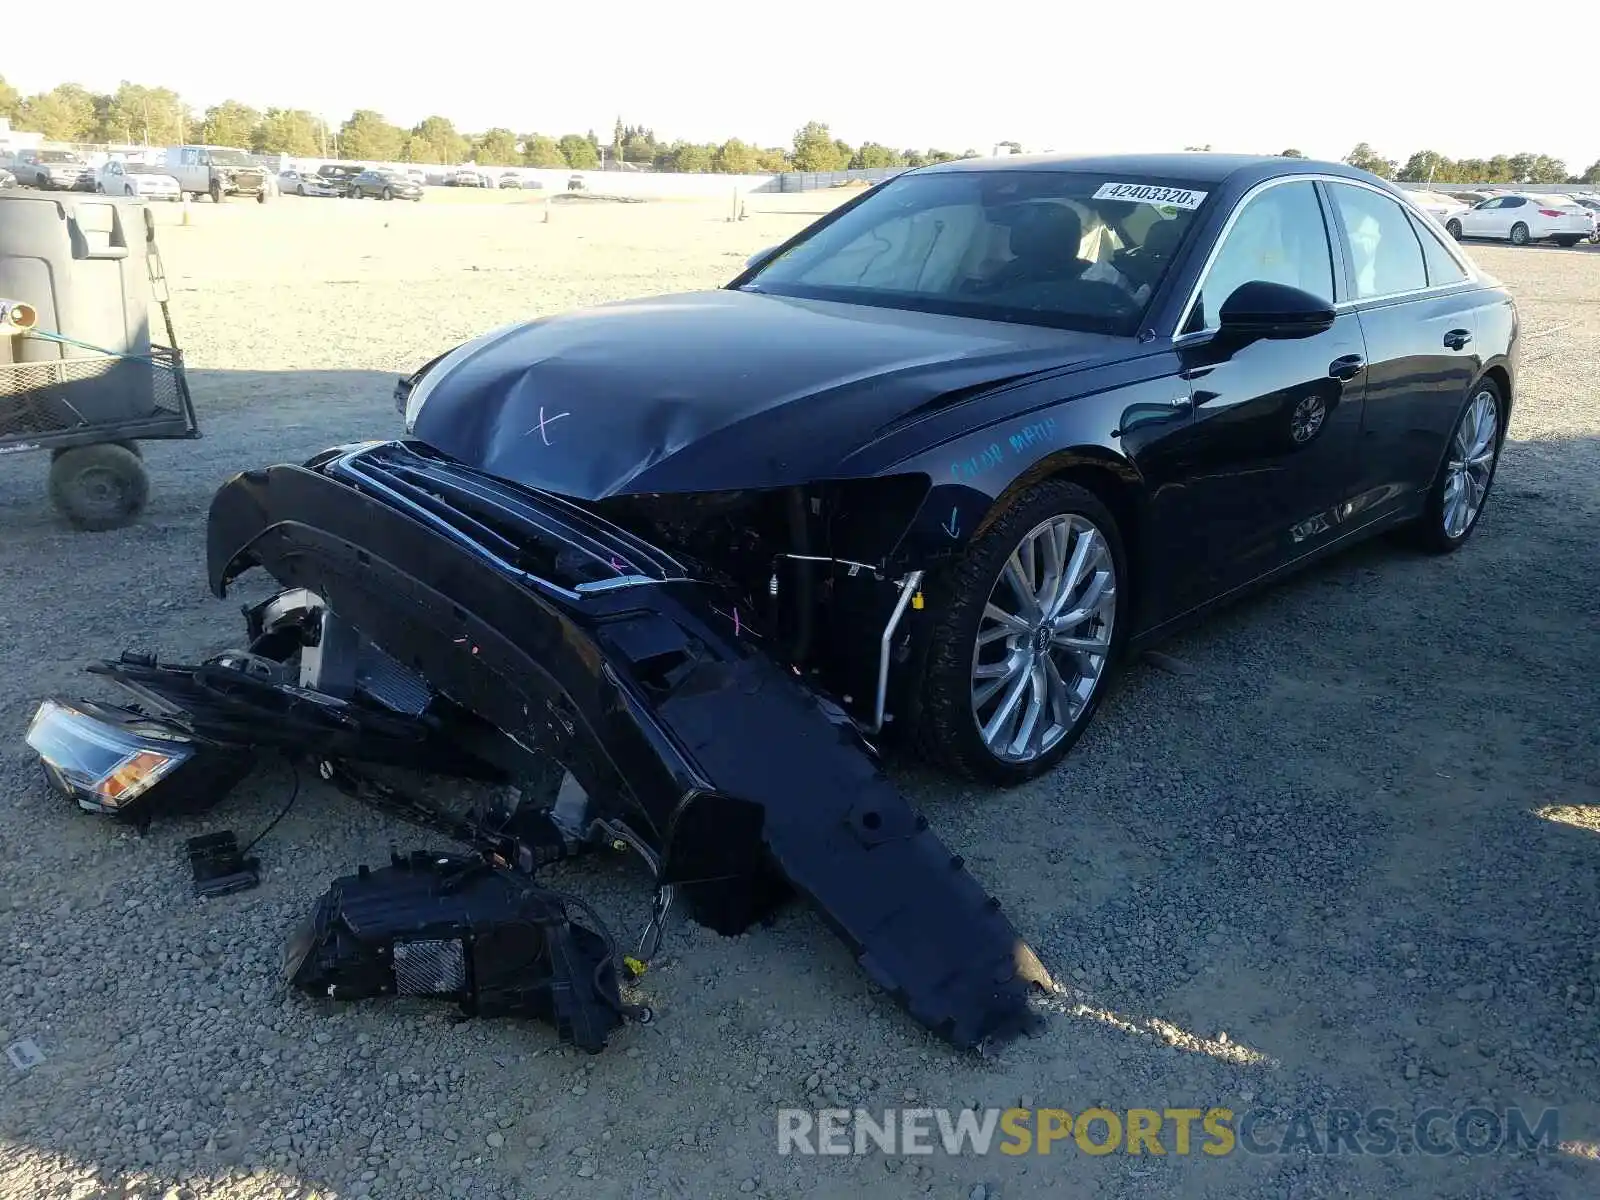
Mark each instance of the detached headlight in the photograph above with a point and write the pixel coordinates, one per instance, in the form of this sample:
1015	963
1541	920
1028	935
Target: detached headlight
103	762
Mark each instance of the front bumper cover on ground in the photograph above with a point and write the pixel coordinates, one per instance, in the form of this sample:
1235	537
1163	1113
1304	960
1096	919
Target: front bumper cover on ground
572	636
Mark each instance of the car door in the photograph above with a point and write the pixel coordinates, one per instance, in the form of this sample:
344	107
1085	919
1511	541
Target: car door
1417	309
1480	219
1267	458
1513	210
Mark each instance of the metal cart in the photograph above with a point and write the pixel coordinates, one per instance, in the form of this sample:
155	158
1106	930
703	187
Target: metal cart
90	404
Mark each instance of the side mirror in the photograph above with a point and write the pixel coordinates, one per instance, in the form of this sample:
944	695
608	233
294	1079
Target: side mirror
1259	309
759	258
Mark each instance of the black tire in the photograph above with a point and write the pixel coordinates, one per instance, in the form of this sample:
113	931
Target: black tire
1519	234
261	196
99	487
129	192
42	182
945	727
216	193
301	190
1428	532
1453	228
1567	243
386	194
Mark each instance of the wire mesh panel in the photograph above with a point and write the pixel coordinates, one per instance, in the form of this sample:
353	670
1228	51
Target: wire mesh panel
144	397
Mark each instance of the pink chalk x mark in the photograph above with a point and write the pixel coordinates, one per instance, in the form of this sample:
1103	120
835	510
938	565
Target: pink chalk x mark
617	564
545	423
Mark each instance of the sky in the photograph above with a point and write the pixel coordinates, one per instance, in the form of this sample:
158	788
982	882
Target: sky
1148	75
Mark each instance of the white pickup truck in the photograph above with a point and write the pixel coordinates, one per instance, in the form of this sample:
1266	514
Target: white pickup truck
218	171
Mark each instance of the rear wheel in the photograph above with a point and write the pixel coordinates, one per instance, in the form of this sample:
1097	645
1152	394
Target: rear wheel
1519	234
99	487
1030	624
1453	228
1460	491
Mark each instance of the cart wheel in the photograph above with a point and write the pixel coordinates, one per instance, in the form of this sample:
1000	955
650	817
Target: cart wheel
99	487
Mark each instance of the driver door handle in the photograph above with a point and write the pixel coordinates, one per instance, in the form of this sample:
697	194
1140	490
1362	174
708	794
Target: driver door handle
1346	367
1458	339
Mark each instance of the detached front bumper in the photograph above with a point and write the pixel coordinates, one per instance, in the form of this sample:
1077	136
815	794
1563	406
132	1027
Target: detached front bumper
576	638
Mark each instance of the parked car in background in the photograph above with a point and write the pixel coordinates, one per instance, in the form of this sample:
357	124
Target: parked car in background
510	180
576	183
297	183
1438	205
1520	219
1592	203
58	170
339	175
7	179
218	172
467	177
417	175
385	183
119	178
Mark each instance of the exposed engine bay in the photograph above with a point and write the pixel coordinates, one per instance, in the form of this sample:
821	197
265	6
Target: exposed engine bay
685	678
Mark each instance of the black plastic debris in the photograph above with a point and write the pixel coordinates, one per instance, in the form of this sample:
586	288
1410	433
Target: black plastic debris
453	927
219	867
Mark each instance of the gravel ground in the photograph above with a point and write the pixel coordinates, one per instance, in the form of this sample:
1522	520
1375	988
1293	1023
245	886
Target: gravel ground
1341	854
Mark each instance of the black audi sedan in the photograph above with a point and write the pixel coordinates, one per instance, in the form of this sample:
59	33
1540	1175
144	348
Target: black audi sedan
977	433
940	460
385	183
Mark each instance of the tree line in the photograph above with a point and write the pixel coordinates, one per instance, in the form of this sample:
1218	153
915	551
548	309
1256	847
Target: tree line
135	114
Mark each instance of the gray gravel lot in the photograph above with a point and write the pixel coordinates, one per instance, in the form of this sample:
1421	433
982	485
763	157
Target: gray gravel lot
1347	859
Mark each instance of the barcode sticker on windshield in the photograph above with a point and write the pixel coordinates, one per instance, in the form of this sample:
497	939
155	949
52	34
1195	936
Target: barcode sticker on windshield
1143	193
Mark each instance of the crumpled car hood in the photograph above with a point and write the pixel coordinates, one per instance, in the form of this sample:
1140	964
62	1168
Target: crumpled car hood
709	390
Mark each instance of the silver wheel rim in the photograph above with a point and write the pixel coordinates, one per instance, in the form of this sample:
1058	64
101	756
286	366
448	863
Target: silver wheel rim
1045	638
1307	419
1471	464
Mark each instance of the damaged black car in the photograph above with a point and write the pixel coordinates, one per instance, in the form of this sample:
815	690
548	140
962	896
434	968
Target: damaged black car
672	570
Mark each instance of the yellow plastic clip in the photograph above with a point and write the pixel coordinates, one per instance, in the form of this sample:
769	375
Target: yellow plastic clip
636	966
916	601
619	845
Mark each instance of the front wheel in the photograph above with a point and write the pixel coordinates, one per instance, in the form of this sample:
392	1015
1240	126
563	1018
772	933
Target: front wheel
1460	490
300	191
1519	234
1453	228
1029	627
386	195
216	193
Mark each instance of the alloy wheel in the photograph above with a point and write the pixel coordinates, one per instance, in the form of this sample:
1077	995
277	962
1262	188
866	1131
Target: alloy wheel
1044	641
1471	463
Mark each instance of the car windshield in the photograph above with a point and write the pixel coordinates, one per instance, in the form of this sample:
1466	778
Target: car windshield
59	156
230	158
1063	249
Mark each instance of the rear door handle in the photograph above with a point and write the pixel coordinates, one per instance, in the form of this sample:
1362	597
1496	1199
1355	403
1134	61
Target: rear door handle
1458	339
1346	367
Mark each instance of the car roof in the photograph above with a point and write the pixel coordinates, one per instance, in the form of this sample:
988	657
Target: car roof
1195	166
